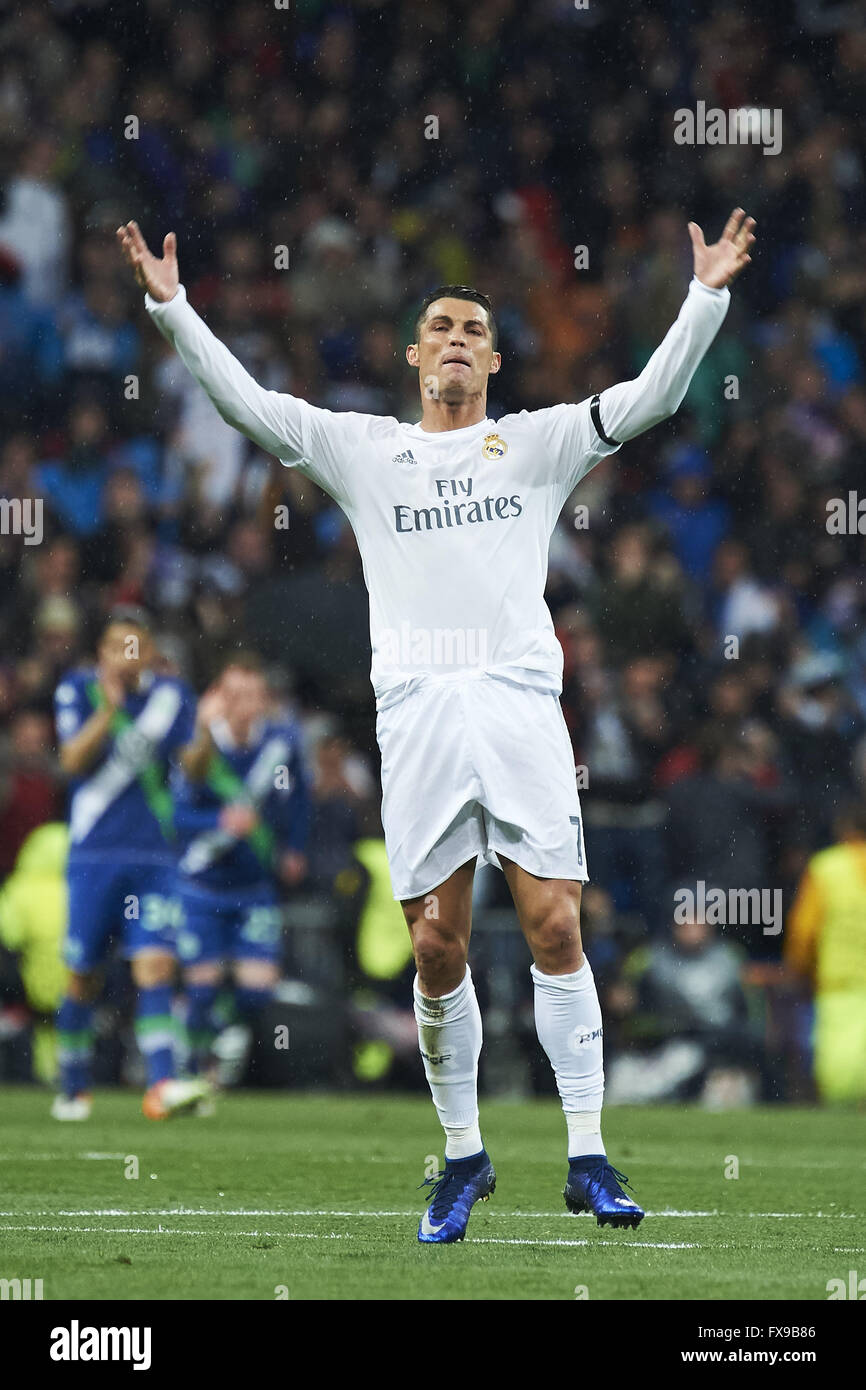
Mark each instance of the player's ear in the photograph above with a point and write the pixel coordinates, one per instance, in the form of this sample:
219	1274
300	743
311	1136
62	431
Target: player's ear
412	355
495	363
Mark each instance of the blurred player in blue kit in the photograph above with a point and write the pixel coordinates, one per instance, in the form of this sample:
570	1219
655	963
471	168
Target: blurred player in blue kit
242	813
119	724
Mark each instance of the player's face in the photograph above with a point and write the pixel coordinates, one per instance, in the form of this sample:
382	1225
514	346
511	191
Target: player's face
124	652
692	936
246	699
454	353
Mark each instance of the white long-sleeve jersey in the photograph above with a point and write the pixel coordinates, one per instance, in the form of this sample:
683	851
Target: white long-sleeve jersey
453	527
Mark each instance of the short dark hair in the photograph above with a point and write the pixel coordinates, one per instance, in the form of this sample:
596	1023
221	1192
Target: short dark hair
244	660
457	292
128	615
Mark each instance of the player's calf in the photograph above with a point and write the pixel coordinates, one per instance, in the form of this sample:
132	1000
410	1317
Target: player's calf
75	1047
255	981
155	1028
201	1024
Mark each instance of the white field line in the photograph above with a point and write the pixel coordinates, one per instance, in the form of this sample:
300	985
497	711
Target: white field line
640	1244
200	1211
168	1231
413	1211
60	1158
334	1235
759	1215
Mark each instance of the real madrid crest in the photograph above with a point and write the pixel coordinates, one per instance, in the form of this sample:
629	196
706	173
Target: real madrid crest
494	447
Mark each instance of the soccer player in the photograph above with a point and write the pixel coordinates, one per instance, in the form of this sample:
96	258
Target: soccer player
826	944
118	726
242	811
453	517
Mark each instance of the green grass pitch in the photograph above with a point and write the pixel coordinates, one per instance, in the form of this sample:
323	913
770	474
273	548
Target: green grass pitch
315	1197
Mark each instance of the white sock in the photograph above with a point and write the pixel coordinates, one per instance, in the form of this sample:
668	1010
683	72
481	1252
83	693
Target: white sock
449	1035
568	1023
584	1133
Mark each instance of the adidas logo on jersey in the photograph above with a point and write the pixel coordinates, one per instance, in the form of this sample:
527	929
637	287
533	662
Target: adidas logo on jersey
406	457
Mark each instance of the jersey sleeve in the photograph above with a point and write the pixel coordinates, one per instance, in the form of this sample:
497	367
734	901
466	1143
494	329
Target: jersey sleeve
194	809
183	728
627	409
291	806
572	442
300	435
72	709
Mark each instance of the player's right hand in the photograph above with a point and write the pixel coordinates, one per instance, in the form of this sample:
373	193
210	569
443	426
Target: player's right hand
159	277
238	819
211	706
112	689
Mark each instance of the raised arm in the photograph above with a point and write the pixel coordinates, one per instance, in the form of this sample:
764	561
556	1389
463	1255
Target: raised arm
626	410
195	757
84	734
80	751
266	417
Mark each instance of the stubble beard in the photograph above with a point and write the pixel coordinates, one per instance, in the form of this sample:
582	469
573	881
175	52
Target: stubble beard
458	394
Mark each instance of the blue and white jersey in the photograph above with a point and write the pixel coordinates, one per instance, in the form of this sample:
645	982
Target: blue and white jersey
275	782
110	810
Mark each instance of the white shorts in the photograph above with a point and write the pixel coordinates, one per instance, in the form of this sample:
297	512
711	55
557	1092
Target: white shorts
477	765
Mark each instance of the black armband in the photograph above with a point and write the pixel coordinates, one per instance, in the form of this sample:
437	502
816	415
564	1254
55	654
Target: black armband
595	412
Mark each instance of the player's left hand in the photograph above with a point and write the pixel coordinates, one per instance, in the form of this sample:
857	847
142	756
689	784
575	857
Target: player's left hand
719	264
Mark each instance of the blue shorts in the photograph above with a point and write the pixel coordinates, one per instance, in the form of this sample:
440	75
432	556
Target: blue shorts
245	924
136	904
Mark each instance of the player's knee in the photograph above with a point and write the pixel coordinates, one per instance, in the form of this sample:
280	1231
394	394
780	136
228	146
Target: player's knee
438	954
151	970
208	974
256	974
555	938
81	985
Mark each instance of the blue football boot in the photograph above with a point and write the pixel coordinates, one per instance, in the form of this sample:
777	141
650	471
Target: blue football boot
594	1185
464	1182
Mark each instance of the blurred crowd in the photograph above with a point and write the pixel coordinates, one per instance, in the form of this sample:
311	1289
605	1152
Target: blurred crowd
715	682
